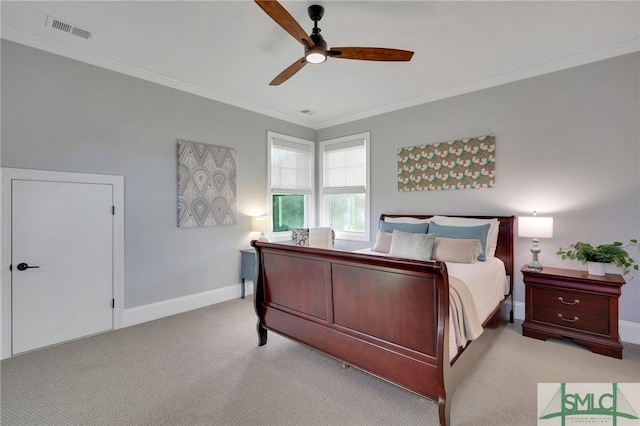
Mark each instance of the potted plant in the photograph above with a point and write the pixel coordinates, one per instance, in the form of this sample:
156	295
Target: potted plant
597	257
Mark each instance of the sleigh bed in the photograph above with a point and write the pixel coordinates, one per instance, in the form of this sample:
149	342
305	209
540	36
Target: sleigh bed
387	316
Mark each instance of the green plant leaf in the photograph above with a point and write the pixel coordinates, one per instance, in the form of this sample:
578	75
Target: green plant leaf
614	253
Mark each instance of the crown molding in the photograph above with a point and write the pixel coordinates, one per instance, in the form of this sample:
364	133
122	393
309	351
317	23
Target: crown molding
37	42
608	52
22	37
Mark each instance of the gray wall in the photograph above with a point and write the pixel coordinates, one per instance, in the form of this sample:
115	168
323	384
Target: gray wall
59	114
567	145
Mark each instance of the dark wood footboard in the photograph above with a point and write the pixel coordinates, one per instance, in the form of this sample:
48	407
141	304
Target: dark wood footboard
376	314
386	316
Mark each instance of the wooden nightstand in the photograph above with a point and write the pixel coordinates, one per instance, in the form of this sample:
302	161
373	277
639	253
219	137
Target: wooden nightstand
568	303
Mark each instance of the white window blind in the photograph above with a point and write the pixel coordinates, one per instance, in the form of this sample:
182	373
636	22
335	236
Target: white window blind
291	166
345	166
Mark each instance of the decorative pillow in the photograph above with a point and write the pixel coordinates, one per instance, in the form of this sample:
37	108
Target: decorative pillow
464	232
406	219
414	228
383	242
456	250
300	237
411	246
492	239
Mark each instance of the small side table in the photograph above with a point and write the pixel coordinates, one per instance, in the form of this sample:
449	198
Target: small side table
247	267
568	303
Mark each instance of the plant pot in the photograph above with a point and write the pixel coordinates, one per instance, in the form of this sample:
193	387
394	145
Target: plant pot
596	268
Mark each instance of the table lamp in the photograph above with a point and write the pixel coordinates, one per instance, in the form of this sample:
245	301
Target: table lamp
535	227
261	224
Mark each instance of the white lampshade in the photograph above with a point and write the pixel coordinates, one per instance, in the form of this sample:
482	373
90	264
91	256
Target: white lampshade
261	223
535	227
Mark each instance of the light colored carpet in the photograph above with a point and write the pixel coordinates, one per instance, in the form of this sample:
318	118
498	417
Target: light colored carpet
204	368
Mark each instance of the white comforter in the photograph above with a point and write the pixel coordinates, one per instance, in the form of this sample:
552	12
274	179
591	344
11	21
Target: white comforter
487	282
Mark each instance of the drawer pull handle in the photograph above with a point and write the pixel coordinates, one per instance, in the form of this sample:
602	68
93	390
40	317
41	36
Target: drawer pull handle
568	319
575	302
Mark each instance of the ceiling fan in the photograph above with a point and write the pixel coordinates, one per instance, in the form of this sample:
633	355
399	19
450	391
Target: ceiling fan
315	48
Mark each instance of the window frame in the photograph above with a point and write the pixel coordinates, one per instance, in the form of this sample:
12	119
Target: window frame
324	191
309	204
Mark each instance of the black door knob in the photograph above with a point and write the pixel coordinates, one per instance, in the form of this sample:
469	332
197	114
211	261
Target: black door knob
23	266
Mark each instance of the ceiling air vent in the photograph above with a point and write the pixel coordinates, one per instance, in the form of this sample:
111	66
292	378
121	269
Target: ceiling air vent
59	24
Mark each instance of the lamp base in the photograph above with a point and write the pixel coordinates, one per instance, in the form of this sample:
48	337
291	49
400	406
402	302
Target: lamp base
536	266
535	250
263	237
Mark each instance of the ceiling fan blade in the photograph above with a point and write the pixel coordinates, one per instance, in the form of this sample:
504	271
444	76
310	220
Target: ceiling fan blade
285	20
289	72
370	53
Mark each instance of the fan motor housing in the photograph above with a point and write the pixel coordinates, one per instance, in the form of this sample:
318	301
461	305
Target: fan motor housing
319	40
316	12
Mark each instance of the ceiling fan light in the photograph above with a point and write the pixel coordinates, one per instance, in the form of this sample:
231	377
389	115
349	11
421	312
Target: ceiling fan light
316	57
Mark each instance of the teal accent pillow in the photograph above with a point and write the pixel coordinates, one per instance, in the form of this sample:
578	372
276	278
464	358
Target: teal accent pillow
414	228
466	232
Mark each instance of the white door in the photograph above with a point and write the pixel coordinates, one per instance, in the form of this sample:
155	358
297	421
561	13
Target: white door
62	233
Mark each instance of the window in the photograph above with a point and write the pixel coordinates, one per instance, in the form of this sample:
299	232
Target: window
345	186
291	182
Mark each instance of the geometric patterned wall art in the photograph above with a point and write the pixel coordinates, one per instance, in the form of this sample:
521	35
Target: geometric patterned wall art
459	164
206	185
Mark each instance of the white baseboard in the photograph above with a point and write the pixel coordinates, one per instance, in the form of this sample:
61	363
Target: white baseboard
154	311
518	310
629	331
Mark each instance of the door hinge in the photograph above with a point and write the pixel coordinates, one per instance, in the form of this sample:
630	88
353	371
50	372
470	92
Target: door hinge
113	210
113	303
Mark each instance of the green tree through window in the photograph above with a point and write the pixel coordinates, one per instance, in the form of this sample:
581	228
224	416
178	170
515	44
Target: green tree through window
288	212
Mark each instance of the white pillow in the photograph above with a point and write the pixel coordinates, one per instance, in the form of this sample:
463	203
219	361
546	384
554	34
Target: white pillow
492	236
405	219
383	242
411	246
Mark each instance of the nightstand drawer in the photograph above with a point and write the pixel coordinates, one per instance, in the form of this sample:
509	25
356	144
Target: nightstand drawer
571	301
572	319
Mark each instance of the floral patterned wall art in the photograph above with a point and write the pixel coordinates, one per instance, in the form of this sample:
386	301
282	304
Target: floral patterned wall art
206	185
458	164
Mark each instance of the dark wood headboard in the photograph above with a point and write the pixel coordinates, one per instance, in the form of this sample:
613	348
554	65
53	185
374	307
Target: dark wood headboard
504	249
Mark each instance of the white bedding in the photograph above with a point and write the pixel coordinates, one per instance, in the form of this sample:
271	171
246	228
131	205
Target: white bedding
486	281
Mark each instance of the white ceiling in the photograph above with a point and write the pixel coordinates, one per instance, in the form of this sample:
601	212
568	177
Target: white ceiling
230	50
